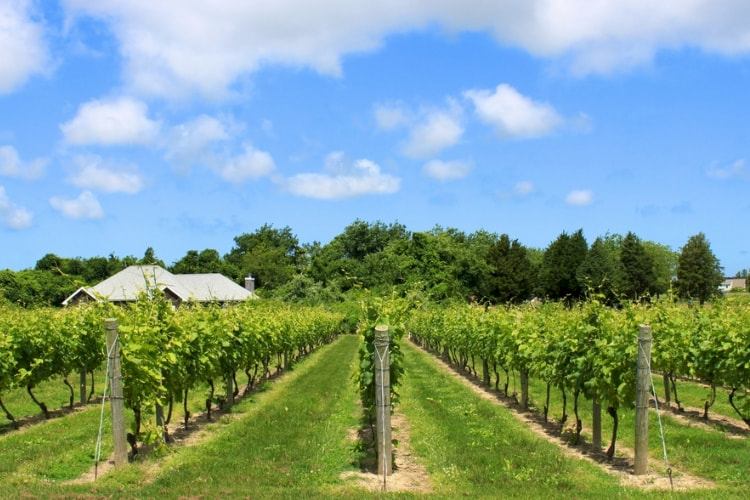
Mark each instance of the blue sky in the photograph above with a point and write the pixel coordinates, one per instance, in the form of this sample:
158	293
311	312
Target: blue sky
179	125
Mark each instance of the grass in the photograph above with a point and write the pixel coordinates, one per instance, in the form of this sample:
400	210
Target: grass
290	440
476	448
712	453
287	440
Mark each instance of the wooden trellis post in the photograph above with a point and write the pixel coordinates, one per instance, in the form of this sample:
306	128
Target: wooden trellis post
642	386
383	400
116	397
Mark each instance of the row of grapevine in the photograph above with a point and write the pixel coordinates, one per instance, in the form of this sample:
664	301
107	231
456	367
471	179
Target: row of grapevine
591	350
708	344
165	352
43	344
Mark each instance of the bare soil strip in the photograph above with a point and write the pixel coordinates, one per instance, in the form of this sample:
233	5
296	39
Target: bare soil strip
621	465
408	474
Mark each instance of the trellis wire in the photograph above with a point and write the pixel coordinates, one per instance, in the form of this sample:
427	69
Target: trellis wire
658	417
98	450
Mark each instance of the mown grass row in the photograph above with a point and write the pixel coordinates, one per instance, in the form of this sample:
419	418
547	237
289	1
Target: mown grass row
290	440
703	449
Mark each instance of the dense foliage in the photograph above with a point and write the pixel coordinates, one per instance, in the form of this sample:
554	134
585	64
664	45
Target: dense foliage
165	352
446	264
590	350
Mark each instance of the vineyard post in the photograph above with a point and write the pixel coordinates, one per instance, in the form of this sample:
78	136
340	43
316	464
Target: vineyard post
667	390
229	383
383	400
82	387
524	389
596	424
116	398
641	399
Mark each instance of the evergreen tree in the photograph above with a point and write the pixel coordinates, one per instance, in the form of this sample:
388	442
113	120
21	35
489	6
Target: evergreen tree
557	274
601	271
637	268
699	273
511	272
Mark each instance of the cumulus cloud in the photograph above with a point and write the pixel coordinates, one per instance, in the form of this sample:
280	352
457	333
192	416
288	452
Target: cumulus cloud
12	215
190	142
117	121
23	51
251	164
737	170
344	179
86	206
391	116
447	170
435	131
512	114
579	198
92	173
173	48
12	166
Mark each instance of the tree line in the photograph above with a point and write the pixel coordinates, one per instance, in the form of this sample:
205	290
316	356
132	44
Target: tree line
444	263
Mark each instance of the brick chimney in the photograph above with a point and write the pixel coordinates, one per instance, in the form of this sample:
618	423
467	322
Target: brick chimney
250	284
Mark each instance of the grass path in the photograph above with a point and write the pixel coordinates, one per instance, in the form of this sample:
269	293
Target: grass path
287	441
293	440
475	448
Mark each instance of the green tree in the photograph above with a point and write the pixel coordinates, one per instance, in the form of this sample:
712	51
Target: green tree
637	268
601	270
699	272
353	257
271	255
665	264
150	259
511	271
194	262
557	273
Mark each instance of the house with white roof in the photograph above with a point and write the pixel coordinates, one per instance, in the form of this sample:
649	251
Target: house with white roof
130	283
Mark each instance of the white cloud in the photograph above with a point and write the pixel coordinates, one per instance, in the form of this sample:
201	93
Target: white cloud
173	48
251	164
579	198
86	206
524	188
438	130
736	170
118	121
93	174
12	215
12	166
447	170
23	51
346	179
391	116
190	142
512	114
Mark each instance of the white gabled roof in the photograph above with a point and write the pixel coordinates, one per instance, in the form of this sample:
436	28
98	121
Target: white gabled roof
132	281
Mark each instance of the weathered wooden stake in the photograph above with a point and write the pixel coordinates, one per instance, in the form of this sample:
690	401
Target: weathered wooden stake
82	387
383	400
596	425
667	391
642	385
525	390
116	398
229	384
